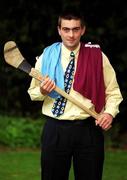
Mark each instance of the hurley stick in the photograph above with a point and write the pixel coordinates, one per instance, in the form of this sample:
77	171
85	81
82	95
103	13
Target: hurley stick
13	57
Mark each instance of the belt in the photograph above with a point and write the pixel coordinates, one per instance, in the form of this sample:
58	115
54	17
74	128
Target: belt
89	120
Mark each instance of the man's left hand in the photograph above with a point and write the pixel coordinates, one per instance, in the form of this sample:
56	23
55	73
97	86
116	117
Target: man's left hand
104	121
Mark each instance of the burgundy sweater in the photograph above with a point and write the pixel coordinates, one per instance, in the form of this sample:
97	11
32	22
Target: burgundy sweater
89	80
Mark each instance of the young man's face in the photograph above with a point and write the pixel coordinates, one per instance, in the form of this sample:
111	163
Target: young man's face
71	32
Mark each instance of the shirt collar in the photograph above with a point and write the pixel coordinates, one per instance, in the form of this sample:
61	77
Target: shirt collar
66	52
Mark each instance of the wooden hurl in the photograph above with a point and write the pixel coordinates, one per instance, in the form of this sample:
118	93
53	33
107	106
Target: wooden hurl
14	58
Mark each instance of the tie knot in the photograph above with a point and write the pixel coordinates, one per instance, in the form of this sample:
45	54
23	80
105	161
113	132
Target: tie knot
72	54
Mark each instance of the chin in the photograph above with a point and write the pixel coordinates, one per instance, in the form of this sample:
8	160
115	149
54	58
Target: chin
70	46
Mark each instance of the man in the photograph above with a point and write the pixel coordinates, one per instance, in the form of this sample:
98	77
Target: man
70	133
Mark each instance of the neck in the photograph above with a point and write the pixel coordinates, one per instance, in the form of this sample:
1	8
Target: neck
72	48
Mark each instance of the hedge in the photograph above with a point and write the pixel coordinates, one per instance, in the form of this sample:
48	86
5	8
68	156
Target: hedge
20	132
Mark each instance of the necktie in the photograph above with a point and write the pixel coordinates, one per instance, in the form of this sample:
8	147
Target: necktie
60	102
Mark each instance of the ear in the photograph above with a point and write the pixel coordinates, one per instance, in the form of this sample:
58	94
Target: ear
83	30
59	30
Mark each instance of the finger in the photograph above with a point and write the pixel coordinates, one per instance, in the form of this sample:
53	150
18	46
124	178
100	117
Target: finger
103	122
42	84
107	127
50	86
45	82
99	120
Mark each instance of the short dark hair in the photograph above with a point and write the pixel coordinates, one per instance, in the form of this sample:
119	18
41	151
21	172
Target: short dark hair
71	13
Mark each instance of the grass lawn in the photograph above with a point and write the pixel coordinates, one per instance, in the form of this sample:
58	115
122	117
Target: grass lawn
23	165
19	165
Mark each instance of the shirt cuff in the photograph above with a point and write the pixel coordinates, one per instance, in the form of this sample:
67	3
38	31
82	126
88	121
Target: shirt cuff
112	111
35	94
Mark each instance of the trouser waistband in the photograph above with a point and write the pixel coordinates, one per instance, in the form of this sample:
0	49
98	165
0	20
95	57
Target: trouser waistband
89	120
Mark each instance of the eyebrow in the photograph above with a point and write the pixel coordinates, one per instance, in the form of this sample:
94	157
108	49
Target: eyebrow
78	27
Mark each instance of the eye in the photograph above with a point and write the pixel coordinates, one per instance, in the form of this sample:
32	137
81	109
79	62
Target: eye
66	29
76	29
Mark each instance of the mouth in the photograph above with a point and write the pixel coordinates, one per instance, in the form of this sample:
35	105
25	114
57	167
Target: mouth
70	40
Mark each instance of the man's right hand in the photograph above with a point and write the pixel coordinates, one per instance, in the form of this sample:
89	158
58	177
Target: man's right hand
47	86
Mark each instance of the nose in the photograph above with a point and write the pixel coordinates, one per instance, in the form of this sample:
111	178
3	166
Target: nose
71	33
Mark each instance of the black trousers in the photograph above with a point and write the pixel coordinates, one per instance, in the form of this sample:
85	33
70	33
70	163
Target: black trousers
64	142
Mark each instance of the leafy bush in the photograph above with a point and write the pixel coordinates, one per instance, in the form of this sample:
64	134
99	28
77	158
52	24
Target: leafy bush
25	132
20	132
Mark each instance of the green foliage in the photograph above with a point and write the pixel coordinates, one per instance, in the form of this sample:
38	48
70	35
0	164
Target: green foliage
25	132
20	132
